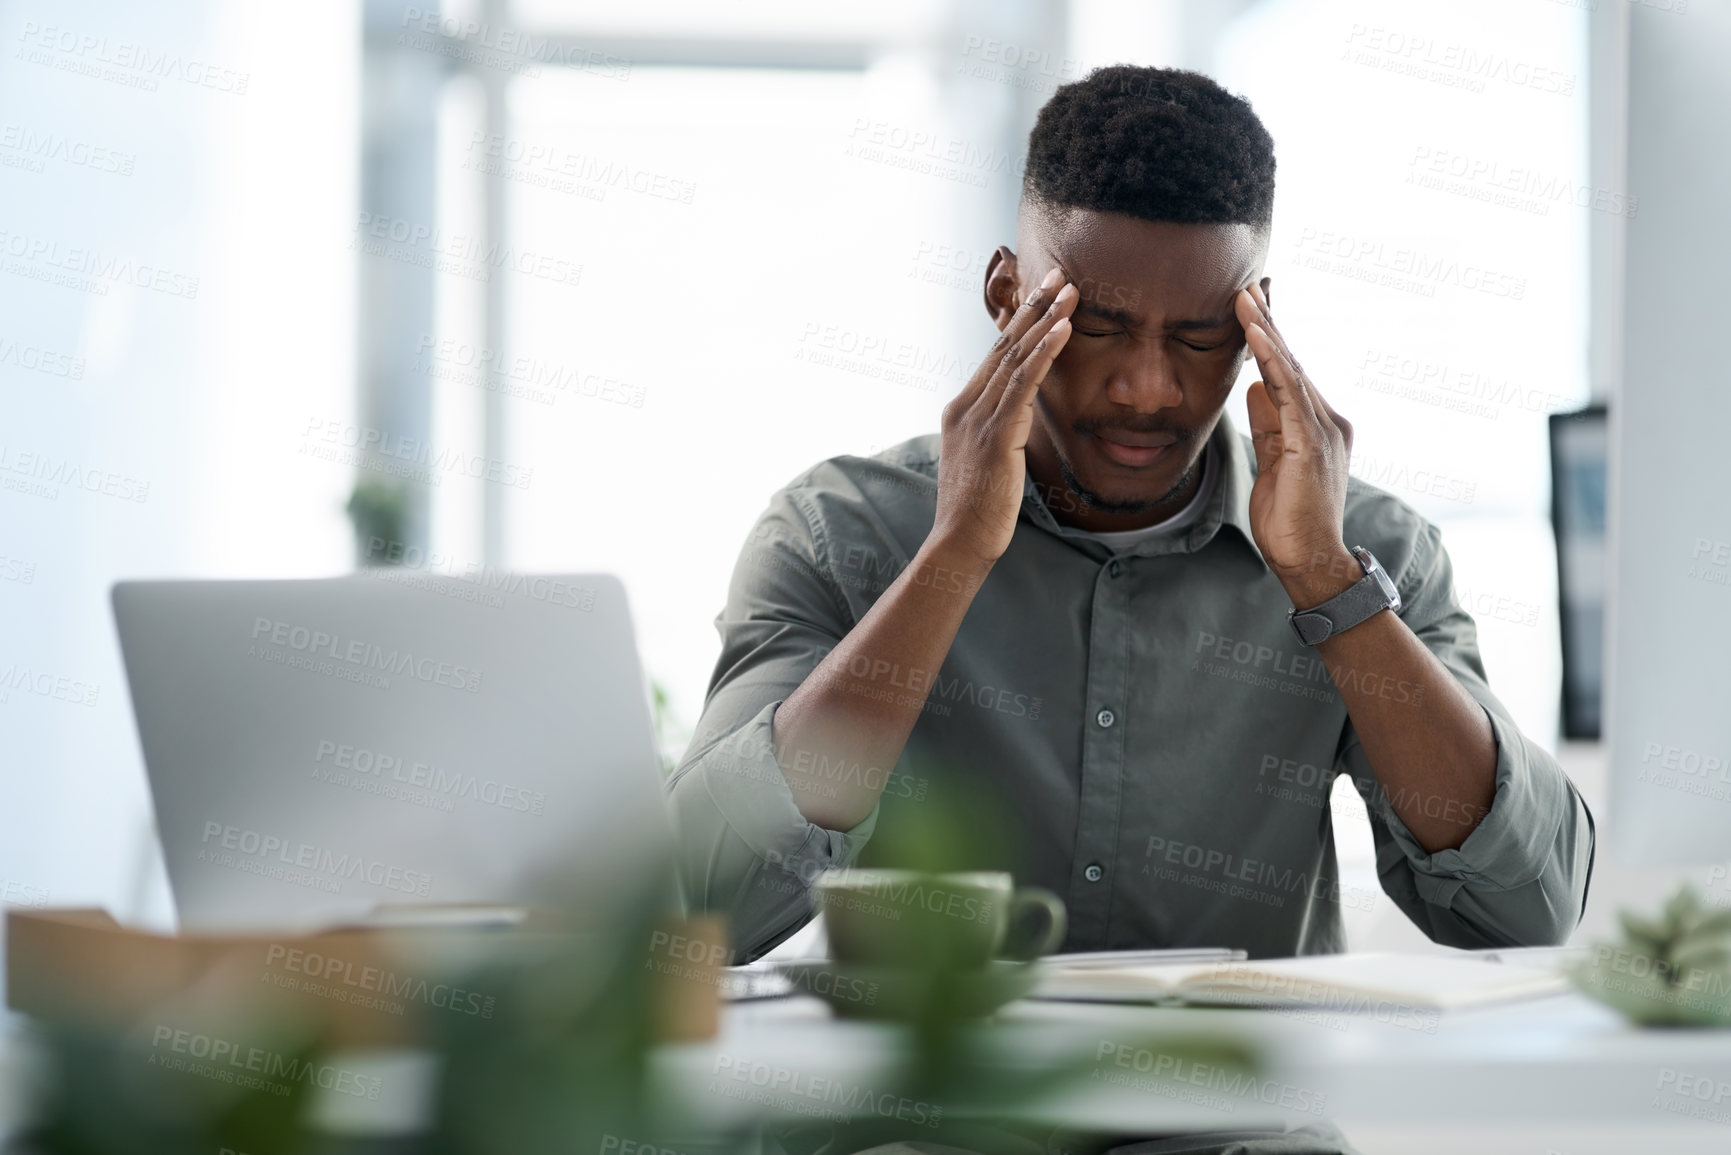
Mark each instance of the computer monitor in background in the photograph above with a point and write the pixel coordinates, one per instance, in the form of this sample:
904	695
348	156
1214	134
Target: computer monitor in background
1668	694
1578	444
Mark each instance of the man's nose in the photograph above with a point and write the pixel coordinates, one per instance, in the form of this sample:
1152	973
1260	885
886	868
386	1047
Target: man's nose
1145	380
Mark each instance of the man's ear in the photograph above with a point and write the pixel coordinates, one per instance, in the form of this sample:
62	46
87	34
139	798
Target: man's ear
1003	287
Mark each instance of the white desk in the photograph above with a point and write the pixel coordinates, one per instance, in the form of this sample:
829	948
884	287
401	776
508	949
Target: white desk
1554	1066
1562	1060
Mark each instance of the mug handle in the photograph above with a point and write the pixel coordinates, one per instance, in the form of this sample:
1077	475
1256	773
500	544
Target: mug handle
1039	909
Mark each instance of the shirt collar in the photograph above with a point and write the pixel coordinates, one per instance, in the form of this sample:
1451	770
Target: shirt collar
1228	505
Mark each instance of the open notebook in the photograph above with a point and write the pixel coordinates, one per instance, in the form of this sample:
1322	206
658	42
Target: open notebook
1343	981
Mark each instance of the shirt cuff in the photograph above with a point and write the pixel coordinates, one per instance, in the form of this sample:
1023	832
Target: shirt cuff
1515	840
745	782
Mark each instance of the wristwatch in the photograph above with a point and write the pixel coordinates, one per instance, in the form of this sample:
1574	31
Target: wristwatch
1364	599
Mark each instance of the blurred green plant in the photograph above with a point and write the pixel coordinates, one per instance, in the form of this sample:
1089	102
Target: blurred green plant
563	1065
565	1060
557	1063
379	511
983	1091
671	734
101	1090
975	1089
1671	970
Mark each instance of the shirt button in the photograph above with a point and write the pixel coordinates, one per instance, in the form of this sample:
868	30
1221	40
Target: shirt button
1093	873
1105	717
1115	568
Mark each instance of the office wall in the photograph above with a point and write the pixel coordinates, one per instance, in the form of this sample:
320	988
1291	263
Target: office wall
1664	92
255	193
177	192
1670	742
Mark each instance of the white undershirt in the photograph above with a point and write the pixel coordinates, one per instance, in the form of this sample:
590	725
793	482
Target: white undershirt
1121	541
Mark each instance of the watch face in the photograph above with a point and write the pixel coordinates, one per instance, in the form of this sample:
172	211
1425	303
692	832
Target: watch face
1388	588
1383	581
1350	607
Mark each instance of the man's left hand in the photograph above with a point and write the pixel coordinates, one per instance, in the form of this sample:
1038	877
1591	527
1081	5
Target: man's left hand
1298	504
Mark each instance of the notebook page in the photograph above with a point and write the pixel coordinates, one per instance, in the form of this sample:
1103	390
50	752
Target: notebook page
1130	982
1440	982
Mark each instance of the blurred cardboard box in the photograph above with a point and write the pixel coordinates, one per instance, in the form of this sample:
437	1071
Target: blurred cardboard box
361	987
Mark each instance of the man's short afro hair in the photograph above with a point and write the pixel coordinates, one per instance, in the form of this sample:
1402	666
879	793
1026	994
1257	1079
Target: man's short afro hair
1161	144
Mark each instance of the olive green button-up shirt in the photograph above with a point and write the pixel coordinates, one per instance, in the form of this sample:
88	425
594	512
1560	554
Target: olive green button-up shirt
1159	745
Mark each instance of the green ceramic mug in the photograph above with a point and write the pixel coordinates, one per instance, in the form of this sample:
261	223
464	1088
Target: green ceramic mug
911	918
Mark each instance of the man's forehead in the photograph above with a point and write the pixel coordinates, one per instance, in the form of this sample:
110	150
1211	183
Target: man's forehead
1168	268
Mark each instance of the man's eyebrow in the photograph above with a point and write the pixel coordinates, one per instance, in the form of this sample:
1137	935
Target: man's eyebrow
1127	319
1094	309
1117	316
1208	323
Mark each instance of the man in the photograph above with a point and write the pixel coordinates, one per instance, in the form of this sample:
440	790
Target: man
1075	602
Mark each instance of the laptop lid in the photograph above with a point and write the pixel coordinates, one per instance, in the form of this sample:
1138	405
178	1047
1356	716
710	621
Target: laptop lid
318	748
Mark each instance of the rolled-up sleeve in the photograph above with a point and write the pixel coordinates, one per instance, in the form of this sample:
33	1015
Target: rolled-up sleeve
745	849
1520	878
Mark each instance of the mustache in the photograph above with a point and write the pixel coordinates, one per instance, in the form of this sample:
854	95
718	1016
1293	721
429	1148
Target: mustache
1089	426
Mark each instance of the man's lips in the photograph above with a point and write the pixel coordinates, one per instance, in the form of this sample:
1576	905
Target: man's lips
1133	449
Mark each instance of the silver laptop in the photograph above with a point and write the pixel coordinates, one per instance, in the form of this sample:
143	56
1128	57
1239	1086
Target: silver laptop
318	750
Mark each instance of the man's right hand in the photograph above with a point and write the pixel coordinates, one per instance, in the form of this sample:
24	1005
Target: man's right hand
846	711
985	428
